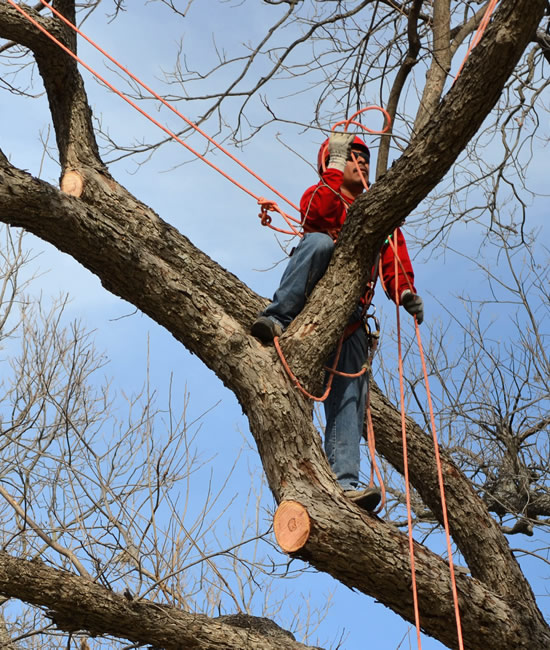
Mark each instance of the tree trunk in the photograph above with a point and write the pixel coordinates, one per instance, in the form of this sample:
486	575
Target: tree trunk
148	263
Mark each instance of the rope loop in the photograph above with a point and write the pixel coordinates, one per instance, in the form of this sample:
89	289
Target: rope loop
265	205
266	219
352	120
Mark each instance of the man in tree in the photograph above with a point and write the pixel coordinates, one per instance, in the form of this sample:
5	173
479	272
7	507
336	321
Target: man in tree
343	164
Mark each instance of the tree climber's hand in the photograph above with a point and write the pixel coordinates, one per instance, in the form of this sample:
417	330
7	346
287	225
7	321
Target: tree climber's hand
339	147
414	304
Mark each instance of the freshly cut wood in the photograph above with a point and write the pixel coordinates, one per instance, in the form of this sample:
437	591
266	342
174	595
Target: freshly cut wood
72	183
292	526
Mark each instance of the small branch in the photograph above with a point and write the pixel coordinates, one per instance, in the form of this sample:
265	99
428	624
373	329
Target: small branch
521	526
399	82
38	530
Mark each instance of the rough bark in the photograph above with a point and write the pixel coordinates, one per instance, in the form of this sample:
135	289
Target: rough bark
146	261
410	179
476	534
75	604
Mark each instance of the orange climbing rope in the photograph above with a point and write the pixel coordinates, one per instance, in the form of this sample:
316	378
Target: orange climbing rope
477	37
454	590
266	205
332	371
263	202
479	33
442	492
269	205
329	369
405	458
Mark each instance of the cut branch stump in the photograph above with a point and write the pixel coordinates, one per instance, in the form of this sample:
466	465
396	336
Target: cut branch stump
72	183
292	526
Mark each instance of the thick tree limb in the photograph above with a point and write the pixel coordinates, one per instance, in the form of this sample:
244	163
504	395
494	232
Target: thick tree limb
476	534
313	334
79	605
280	417
146	261
69	106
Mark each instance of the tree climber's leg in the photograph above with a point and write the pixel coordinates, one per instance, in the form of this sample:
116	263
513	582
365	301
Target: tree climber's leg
305	268
345	412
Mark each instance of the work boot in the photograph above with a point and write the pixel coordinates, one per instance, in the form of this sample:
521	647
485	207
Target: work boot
266	329
366	499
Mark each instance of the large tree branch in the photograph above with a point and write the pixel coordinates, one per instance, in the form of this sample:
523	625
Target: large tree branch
146	261
136	254
313	334
76	604
70	111
476	534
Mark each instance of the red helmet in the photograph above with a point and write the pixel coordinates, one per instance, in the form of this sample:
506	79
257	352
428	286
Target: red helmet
323	155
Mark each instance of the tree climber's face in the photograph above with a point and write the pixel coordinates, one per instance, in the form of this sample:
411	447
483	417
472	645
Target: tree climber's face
354	173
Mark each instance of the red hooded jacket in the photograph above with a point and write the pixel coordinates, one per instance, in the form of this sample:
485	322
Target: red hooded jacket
324	209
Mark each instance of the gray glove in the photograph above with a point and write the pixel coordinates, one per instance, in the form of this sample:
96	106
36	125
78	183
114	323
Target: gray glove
339	147
414	304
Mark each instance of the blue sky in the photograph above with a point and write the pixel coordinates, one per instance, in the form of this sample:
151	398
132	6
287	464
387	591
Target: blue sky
222	221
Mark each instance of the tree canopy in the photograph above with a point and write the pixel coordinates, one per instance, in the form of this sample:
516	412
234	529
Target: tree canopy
461	150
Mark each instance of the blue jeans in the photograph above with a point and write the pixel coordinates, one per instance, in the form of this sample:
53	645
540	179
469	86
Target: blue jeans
305	268
345	411
345	406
